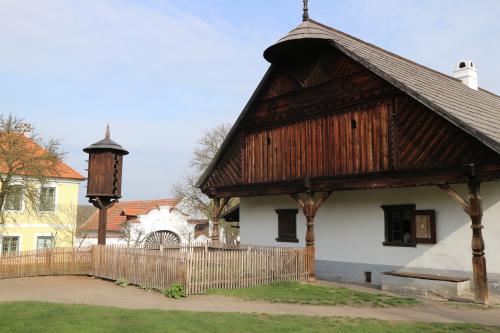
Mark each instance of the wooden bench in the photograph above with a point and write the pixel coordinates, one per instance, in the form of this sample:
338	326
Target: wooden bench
425	284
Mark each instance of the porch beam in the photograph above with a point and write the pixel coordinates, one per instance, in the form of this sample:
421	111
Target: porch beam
473	208
394	179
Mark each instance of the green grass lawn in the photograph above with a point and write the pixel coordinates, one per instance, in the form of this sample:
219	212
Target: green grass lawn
50	317
298	293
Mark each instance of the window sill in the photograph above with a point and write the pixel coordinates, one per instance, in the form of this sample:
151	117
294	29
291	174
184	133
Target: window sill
287	240
399	244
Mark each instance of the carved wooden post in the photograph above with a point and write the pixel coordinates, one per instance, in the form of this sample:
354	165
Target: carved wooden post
218	206
309	207
477	244
473	207
215	222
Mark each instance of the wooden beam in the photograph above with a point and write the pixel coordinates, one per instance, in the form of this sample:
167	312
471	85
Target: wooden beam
355	182
455	196
321	199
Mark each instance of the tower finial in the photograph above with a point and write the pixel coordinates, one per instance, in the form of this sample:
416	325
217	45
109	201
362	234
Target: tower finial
107	136
305	15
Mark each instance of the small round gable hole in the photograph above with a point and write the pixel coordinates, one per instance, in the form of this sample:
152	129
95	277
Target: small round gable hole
353	124
461	65
471	64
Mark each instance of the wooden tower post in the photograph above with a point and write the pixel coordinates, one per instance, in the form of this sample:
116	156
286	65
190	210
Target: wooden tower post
104	181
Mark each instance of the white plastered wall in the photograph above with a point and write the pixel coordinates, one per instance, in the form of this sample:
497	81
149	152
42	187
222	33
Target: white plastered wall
350	227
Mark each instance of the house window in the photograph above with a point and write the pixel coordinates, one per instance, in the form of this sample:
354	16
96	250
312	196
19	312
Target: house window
399	225
14	198
287	225
47	199
10	244
44	242
405	226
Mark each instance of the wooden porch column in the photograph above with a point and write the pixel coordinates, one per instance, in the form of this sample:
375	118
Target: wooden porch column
477	244
310	207
218	206
473	207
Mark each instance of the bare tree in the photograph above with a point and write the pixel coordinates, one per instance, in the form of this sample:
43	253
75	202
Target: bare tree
209	144
194	202
65	224
133	233
26	162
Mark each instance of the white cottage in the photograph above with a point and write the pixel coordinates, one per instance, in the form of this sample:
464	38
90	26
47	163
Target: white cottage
373	161
148	223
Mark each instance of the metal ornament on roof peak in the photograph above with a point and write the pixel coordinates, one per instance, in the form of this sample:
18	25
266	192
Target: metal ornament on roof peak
107	136
305	14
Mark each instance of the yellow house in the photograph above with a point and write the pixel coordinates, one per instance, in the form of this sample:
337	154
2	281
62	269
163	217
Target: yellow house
50	222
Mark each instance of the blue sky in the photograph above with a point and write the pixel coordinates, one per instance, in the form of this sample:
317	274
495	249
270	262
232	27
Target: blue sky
162	72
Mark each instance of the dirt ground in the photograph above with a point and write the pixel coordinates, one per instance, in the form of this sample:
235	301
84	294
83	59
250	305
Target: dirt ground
86	290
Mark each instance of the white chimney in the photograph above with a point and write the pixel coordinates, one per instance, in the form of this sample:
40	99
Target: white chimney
467	73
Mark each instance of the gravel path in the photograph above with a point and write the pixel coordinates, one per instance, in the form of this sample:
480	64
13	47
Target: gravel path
85	290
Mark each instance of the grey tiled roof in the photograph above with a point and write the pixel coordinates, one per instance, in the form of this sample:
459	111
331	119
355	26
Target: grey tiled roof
476	112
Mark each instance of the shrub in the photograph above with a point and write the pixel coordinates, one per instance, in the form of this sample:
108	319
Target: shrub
175	290
121	282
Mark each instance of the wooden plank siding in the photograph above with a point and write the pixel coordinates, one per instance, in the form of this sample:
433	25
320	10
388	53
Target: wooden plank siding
426	140
301	125
364	148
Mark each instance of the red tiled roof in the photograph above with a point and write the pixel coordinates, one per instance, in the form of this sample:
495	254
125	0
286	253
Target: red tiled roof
61	170
121	211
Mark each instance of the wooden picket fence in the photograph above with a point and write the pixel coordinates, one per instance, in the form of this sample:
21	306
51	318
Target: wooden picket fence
57	261
197	267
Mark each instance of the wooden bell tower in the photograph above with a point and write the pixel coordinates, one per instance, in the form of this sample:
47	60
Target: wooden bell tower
104	181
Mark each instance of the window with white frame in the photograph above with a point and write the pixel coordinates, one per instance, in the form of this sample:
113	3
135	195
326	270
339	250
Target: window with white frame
47	199
44	242
13	198
10	244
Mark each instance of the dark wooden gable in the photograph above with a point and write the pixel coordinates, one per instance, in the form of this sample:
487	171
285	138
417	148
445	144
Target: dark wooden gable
324	115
